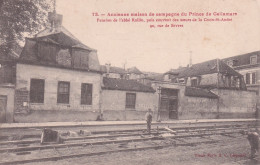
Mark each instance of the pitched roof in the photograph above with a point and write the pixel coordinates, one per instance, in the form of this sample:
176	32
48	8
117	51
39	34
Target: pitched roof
56	55
112	69
134	70
158	77
199	92
61	36
243	59
176	71
125	85
13	52
207	67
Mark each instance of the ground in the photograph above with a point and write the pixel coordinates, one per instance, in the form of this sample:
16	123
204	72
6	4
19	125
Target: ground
229	151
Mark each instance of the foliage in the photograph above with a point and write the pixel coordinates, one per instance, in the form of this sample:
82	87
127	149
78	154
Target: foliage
20	17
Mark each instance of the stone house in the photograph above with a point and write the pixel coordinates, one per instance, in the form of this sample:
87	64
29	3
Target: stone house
58	78
249	66
126	99
134	73
209	89
209	74
113	72
7	80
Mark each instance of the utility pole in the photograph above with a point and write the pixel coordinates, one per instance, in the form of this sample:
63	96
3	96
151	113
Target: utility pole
218	70
190	63
159	104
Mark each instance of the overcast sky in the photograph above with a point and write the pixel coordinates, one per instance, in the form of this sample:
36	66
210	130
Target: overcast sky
161	49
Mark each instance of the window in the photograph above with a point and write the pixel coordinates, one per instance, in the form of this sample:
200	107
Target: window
80	58
251	78
37	91
166	77
63	92
194	82
86	94
227	80
248	78
230	63
182	81
128	76
130	100
237	82
253	60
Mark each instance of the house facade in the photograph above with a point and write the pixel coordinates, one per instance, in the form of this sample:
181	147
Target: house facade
57	79
249	66
210	89
113	72
134	73
126	99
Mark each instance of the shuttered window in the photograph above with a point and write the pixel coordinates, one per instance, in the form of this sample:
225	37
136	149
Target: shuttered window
253	60
63	92
80	59
130	100
194	82
86	93
248	78
253	78
37	91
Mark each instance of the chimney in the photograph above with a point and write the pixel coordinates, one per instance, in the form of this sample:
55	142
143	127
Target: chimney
190	64
55	20
108	67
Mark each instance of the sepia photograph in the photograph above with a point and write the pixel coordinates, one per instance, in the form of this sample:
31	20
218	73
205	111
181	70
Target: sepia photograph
132	82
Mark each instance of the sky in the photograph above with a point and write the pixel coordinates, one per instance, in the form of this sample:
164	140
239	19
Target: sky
161	49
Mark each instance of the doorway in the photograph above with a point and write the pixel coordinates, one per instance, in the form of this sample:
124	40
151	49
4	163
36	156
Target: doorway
3	105
169	102
173	109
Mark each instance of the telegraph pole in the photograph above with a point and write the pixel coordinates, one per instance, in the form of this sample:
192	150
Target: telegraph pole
218	70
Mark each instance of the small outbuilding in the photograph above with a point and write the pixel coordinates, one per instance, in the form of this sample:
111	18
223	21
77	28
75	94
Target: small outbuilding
126	99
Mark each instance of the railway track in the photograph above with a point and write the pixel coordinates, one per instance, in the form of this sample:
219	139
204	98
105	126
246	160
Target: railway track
104	142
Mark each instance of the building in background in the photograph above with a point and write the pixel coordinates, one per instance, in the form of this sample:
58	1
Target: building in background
209	74
209	89
113	72
249	66
126	99
134	73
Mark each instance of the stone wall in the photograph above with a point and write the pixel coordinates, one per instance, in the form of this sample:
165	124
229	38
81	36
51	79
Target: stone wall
52	75
198	108
114	105
21	101
236	103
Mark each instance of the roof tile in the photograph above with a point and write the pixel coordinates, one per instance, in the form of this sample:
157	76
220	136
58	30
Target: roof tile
125	85
199	92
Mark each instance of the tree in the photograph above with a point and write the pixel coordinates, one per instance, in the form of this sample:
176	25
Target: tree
19	18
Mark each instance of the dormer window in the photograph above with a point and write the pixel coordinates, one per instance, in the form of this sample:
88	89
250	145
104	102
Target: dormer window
166	77
182	81
253	59
194	81
230	63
